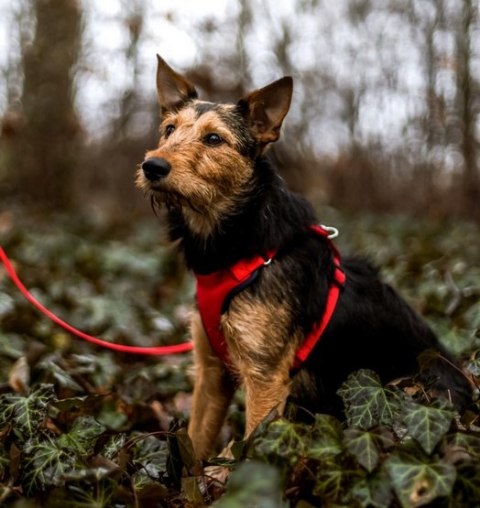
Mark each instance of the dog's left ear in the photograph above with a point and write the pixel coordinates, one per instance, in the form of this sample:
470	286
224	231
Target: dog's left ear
266	108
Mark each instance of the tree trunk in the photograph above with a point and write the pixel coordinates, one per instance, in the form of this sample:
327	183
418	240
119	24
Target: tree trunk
470	184
45	152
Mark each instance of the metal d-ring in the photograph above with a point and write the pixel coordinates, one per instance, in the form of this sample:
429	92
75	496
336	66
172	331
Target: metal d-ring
333	232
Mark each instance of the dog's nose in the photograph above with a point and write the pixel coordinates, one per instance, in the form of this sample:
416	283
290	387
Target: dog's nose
156	168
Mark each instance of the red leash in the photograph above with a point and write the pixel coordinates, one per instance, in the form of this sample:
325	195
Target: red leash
138	350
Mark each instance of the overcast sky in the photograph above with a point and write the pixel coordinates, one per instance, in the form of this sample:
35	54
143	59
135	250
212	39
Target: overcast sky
328	42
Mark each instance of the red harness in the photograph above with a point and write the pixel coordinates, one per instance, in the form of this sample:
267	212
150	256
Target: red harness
216	290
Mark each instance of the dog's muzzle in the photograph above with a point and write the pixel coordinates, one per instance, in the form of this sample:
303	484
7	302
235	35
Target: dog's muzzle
156	168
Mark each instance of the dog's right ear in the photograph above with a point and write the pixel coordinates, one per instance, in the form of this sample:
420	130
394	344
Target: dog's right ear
172	88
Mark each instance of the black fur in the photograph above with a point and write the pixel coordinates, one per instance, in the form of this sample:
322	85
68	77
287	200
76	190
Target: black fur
372	326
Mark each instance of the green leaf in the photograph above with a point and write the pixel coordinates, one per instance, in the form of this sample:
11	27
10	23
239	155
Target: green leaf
82	436
101	368
114	445
112	415
332	483
467	487
373	490
150	458
465	444
325	438
60	376
473	366
428	424
362	444
253	484
417	483
367	402
46	464
281	444
26	414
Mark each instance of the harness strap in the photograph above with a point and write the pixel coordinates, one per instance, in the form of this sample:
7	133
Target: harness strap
319	327
215	291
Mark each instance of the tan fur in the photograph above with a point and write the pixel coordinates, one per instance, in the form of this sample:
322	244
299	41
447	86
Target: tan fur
263	395
208	181
254	330
212	393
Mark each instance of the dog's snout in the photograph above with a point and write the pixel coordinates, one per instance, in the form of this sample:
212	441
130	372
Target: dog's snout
156	168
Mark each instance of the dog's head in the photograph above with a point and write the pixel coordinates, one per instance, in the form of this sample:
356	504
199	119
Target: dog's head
205	158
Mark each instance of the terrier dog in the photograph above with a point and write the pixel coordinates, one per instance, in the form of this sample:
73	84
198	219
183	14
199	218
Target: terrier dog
278	312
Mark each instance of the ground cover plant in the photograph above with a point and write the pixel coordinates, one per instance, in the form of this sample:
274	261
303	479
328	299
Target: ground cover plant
85	427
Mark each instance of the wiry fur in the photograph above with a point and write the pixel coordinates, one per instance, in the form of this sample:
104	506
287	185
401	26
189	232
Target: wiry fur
225	203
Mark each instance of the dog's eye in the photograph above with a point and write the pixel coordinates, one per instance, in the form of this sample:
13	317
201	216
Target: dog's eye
213	139
169	129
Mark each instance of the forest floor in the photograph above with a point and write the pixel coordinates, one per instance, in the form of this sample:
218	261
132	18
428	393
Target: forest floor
82	426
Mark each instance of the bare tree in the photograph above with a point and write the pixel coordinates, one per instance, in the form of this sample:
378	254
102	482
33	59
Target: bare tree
45	151
467	104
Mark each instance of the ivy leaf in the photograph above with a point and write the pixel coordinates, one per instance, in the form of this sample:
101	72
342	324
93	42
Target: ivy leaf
428	424
362	444
281	444
150	459
373	490
46	464
473	366
61	377
325	438
332	483
367	402
464	443
114	446
467	487
417	483
26	413
82	436
253	484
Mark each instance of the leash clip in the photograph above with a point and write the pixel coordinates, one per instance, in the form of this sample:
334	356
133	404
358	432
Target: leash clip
332	232
268	261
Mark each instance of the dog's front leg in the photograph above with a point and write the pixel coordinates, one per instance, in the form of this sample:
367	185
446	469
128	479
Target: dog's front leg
262	395
262	351
212	393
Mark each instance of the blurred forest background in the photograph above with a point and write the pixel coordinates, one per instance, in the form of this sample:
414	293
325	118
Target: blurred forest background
385	115
384	126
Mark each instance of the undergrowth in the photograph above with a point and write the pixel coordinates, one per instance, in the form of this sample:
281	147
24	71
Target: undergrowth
85	427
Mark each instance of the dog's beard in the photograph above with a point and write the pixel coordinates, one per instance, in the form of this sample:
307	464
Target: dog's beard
173	202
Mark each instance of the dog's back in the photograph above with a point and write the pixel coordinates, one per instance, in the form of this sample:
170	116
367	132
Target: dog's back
374	328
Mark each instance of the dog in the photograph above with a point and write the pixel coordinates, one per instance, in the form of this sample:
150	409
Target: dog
269	279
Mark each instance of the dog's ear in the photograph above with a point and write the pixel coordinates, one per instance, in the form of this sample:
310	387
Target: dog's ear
172	88
266	108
